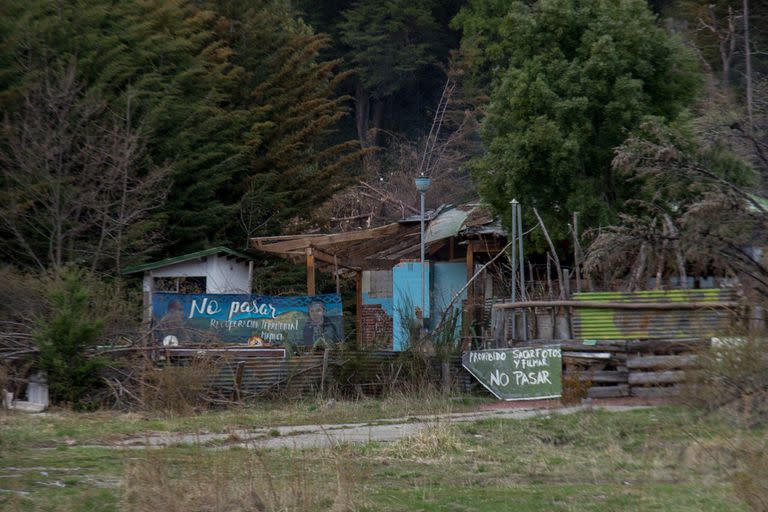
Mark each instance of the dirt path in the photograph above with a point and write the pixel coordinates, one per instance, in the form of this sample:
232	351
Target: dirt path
314	436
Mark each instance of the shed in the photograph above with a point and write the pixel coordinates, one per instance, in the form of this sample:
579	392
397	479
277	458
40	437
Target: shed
214	270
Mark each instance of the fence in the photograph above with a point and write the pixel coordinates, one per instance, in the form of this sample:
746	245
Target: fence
655	314
247	375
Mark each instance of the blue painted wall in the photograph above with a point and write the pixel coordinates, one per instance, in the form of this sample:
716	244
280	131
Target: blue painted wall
406	297
448	279
442	280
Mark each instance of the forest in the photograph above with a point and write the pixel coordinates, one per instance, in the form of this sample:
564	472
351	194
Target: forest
135	130
633	135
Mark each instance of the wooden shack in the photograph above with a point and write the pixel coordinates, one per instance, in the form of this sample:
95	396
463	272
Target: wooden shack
384	261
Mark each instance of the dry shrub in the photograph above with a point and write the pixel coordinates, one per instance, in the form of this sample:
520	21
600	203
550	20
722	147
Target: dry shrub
237	480
731	377
179	389
731	382
751	483
435	441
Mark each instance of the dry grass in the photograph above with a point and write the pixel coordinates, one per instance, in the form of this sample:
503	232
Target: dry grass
240	479
178	390
730	383
438	440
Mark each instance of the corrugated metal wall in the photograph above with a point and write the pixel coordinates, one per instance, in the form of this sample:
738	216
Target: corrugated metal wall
613	324
359	372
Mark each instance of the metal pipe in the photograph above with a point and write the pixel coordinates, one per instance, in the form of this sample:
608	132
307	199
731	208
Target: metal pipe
522	269
422	194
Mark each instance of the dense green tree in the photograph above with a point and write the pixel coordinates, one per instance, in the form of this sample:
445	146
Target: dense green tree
64	339
230	96
399	51
568	79
389	42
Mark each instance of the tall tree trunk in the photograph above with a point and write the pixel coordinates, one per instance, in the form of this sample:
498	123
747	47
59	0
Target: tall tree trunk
362	104
748	62
375	123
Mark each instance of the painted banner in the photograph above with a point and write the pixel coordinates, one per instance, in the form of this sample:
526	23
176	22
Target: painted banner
520	373
256	320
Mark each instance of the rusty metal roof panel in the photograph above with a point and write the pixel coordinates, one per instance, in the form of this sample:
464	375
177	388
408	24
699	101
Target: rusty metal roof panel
445	225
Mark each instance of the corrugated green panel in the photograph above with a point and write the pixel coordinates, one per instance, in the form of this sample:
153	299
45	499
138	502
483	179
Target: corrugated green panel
704	295
609	324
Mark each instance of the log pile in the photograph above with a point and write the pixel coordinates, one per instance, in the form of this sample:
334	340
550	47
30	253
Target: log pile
623	368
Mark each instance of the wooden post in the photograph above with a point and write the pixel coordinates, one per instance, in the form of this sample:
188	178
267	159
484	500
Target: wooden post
469	317
239	379
324	372
576	251
336	274
359	307
310	272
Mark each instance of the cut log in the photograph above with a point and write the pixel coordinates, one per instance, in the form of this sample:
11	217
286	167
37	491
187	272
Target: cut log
599	346
665	346
661	362
587	355
598	376
608	391
666	377
659	392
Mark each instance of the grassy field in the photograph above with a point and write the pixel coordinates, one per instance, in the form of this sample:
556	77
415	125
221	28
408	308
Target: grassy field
650	459
64	427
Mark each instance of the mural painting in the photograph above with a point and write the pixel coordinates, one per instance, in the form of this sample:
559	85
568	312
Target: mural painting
255	320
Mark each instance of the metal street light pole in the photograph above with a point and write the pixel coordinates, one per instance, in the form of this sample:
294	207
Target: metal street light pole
422	184
514	264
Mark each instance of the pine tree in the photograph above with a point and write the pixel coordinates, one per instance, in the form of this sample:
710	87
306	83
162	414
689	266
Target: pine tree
64	339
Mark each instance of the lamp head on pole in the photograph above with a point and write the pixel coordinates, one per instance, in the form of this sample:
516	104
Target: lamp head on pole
422	183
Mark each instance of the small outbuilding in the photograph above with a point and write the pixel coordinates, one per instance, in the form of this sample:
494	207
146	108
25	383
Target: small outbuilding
214	270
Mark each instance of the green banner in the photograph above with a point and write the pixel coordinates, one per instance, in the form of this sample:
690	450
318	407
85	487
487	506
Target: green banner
520	373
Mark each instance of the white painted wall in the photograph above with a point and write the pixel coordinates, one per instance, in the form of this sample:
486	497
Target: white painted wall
222	275
227	276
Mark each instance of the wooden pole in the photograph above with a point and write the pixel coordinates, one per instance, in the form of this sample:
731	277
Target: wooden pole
470	293
576	251
554	253
310	272
336	274
359	307
549	277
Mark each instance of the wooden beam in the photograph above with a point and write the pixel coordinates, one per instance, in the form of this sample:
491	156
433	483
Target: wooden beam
483	246
325	240
310	272
331	259
660	306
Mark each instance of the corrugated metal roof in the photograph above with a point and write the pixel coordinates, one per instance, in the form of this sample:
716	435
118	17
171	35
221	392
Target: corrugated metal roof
445	225
447	221
185	257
